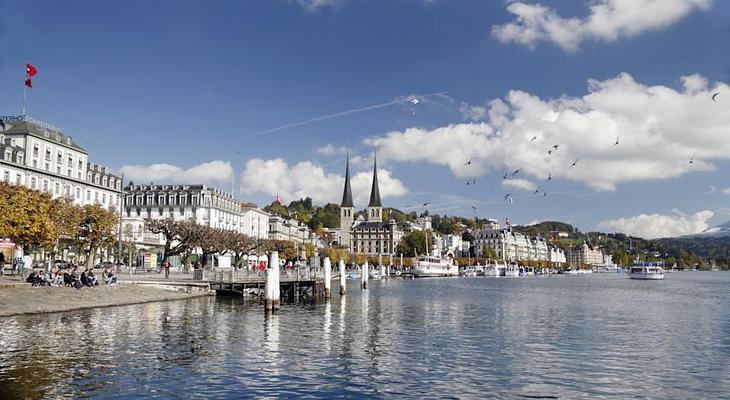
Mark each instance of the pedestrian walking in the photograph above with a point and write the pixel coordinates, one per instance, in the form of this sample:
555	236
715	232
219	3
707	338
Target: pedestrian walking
166	266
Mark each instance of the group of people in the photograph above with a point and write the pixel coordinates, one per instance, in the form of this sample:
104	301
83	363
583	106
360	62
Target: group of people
70	277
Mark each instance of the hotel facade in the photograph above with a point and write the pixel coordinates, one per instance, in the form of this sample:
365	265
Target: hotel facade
40	156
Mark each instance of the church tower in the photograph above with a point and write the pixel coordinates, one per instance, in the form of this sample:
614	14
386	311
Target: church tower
375	207
347	209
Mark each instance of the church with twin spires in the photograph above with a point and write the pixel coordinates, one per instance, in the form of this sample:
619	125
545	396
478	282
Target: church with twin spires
370	236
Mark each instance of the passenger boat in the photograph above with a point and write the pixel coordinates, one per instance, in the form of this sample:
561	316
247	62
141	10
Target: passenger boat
433	266
646	271
512	270
494	269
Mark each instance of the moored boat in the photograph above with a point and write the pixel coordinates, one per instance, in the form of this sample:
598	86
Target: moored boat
646	271
434	266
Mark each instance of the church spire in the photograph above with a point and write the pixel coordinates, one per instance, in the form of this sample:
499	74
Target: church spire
375	191
347	193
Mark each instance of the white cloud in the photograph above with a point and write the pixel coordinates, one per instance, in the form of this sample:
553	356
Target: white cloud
314	5
520	184
306	179
210	172
330	150
726	191
607	20
659	130
652	226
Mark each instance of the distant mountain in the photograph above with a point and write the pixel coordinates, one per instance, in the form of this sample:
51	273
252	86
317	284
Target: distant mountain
719	231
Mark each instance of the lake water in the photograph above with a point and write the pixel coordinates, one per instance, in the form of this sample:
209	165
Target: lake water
552	337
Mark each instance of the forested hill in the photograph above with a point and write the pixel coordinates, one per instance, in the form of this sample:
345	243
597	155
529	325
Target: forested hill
684	251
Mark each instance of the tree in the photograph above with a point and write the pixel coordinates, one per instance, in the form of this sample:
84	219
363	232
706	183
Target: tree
488	252
25	217
178	235
287	249
97	230
67	218
414	243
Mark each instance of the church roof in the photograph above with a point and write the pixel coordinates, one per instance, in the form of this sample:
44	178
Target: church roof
347	193
375	191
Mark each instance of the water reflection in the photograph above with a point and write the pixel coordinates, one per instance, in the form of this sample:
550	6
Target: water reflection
562	337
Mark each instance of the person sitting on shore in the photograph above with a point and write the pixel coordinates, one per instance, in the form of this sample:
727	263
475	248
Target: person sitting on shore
57	279
34	279
84	280
91	279
110	278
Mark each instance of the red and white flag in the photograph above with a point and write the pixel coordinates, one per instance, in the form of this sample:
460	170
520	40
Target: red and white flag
30	70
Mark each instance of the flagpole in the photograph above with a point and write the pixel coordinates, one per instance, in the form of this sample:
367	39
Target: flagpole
25	95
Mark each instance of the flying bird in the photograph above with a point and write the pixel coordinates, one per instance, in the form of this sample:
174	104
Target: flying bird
692	160
555	146
550	152
550	176
426	204
508	197
505	176
544	194
536	191
468	162
574	162
715	95
616	144
415	101
515	172
533	139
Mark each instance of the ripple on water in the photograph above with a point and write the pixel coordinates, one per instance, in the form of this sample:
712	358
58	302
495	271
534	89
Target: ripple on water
556	337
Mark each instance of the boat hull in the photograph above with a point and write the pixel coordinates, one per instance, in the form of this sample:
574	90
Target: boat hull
646	277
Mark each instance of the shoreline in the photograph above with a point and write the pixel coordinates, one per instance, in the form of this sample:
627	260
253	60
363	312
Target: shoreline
26	300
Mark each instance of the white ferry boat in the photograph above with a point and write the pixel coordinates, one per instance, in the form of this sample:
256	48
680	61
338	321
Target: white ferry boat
512	270
433	266
646	271
493	269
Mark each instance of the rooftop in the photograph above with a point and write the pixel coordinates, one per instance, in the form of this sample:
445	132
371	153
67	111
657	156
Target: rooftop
23	124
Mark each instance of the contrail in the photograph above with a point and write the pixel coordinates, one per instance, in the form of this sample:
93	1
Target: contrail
344	113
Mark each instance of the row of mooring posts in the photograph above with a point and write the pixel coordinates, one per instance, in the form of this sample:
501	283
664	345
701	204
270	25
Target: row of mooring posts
272	288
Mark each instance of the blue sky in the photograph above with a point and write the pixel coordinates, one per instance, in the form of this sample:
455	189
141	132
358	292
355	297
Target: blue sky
173	91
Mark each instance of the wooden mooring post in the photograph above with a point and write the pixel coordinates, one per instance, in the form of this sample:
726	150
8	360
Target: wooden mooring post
327	278
272	288
343	278
364	276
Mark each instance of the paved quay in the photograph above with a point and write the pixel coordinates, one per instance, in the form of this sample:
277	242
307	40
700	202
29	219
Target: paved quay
18	299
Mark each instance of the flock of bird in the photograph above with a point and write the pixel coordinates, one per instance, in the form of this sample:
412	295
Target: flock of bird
554	148
540	188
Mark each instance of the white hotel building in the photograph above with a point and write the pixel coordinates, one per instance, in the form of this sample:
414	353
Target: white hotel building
40	156
513	246
201	204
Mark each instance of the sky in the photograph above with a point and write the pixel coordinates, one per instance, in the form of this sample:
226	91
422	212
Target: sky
263	97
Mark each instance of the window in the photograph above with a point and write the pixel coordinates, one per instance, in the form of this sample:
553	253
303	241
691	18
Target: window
79	175
88	195
8	154
69	173
81	165
103	181
56	188
32	182
58	169
35	150
35	163
78	193
139	200
70	160
96	179
161	199
96	197
45	185
103	198
59	158
20	158
48	155
6	176
67	190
